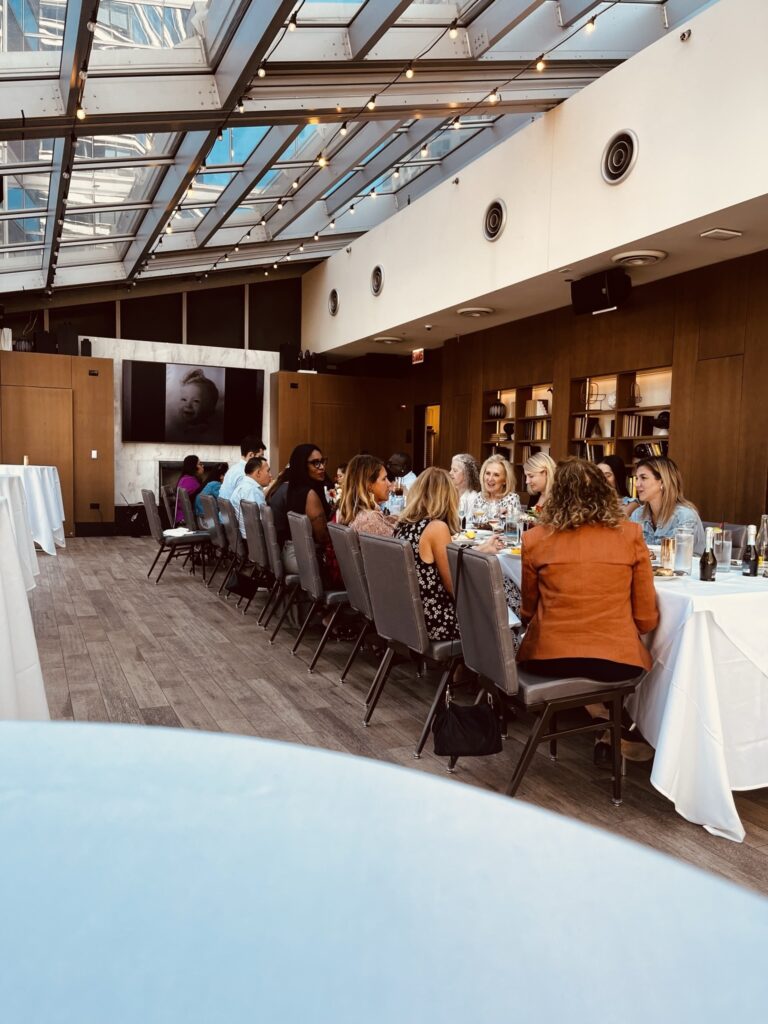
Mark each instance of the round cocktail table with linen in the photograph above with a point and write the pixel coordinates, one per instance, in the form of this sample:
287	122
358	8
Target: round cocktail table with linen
44	503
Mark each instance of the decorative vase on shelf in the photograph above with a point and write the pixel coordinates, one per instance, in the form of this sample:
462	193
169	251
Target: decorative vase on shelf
497	411
509	430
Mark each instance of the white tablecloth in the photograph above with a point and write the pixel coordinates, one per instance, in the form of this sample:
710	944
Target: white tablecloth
704	705
44	502
12	488
22	693
171	875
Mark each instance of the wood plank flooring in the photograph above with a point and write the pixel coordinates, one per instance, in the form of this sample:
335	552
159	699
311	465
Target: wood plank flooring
116	648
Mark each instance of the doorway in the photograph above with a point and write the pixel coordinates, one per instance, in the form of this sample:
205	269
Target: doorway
426	436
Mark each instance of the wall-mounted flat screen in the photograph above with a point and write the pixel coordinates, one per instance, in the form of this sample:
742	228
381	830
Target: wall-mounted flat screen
183	403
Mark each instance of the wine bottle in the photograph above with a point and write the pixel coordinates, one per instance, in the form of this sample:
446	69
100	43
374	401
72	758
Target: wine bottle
708	562
749	561
762	547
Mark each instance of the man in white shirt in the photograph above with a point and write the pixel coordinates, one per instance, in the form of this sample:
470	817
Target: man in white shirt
250	447
255	478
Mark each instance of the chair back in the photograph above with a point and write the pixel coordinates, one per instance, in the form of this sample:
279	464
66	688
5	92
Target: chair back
481	611
254	533
153	516
306	555
231	529
738	536
346	544
168	498
187	511
210	521
390	570
273	548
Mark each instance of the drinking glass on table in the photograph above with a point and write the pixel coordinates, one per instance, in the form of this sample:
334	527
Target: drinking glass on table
722	547
511	531
667	553
684	549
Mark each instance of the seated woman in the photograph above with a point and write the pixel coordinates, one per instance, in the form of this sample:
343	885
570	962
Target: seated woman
615	472
305	494
365	487
191	481
664	507
587	586
212	482
539	473
428	520
497	498
466	480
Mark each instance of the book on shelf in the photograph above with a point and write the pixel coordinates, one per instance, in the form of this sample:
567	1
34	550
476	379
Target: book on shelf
537	407
527	450
590	426
650	449
634	425
594	451
537	430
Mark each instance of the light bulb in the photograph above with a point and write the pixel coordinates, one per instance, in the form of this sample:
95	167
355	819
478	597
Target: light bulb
241	107
292	22
263	222
279	205
352	210
455	124
540	65
321	161
80	114
425	151
226	257
316	237
168	229
409	71
274	266
301	247
343	129
287	255
332	225
266	273
494	97
237	248
396	173
295	184
589	28
453	31
261	71
371	104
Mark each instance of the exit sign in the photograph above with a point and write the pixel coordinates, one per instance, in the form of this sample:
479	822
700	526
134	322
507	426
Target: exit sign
417	356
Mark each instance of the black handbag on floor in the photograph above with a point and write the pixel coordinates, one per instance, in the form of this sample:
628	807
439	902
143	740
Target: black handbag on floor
466	731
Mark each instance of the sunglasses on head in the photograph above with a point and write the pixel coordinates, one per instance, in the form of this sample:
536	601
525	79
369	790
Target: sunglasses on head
317	463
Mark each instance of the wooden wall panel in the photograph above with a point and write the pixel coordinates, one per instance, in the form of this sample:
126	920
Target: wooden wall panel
289	415
93	430
752	443
712	474
35	370
722	292
37	422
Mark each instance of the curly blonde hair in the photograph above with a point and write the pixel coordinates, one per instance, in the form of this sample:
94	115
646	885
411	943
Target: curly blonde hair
581	496
433	496
360	475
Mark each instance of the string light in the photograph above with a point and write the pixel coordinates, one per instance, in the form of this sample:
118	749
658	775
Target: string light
237	248
332	225
494	97
226	257
453	31
455	124
343	129
274	266
279	204
261	71
352	210
322	161
372	193
263	222
220	135
240	107
589	28
287	255
301	247
425	151
80	114
292	22
168	228
540	65
295	184
266	273
316	237
371	104
409	71
396	173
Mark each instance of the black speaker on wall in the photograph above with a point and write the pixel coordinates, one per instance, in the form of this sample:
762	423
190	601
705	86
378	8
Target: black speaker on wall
85	346
289	357
600	293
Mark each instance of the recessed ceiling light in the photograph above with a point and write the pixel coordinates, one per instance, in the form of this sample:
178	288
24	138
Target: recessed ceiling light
388	339
639	257
475	311
720	234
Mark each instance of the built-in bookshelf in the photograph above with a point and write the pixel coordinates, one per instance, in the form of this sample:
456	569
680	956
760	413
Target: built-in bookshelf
525	428
626	414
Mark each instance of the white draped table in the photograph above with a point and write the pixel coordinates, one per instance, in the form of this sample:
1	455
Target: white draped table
44	503
704	705
22	693
12	488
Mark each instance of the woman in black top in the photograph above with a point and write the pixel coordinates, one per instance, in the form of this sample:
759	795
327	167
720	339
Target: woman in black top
305	494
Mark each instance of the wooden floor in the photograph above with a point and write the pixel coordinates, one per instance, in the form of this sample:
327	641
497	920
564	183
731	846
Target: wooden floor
116	648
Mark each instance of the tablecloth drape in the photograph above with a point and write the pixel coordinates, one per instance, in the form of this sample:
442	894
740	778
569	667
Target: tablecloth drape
44	503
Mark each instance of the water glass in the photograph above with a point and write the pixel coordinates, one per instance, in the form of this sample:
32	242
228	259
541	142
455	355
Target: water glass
684	549
511	531
722	547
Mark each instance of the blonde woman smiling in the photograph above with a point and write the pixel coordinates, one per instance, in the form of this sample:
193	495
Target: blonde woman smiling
497	497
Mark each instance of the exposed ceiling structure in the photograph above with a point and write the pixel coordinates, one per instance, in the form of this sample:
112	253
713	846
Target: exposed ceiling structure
159	139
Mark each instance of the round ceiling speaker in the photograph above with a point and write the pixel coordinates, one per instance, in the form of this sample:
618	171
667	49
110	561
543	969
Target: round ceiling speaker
619	157
333	302
377	280
388	339
494	221
474	312
639	257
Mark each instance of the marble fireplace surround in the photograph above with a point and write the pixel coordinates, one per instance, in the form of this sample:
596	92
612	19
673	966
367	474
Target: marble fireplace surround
137	465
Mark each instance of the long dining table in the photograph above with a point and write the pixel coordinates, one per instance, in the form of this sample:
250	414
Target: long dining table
704	704
44	503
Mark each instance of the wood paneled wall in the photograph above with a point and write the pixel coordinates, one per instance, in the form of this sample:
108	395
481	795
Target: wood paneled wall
58	410
343	415
710	325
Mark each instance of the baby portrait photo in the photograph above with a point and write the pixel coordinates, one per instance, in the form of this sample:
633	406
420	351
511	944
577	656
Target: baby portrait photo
194	403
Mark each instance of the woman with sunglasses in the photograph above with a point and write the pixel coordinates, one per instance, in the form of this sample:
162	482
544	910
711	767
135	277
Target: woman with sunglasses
306	495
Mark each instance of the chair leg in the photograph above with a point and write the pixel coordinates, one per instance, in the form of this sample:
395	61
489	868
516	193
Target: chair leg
616	743
271	596
374	684
324	638
312	609
553	742
160	550
356	649
219	559
530	749
378	684
452	764
442	686
165	566
291	595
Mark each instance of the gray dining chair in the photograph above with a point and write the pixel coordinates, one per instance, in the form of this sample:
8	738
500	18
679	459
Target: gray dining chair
186	509
236	549
210	522
390	570
187	544
286	585
256	548
481	609
346	545
168	498
311	582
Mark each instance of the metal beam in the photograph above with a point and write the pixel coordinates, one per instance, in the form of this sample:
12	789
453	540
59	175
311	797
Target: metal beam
496	21
481	143
342	162
371	22
63	153
176	180
248	47
572	10
396	151
76	50
269	149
